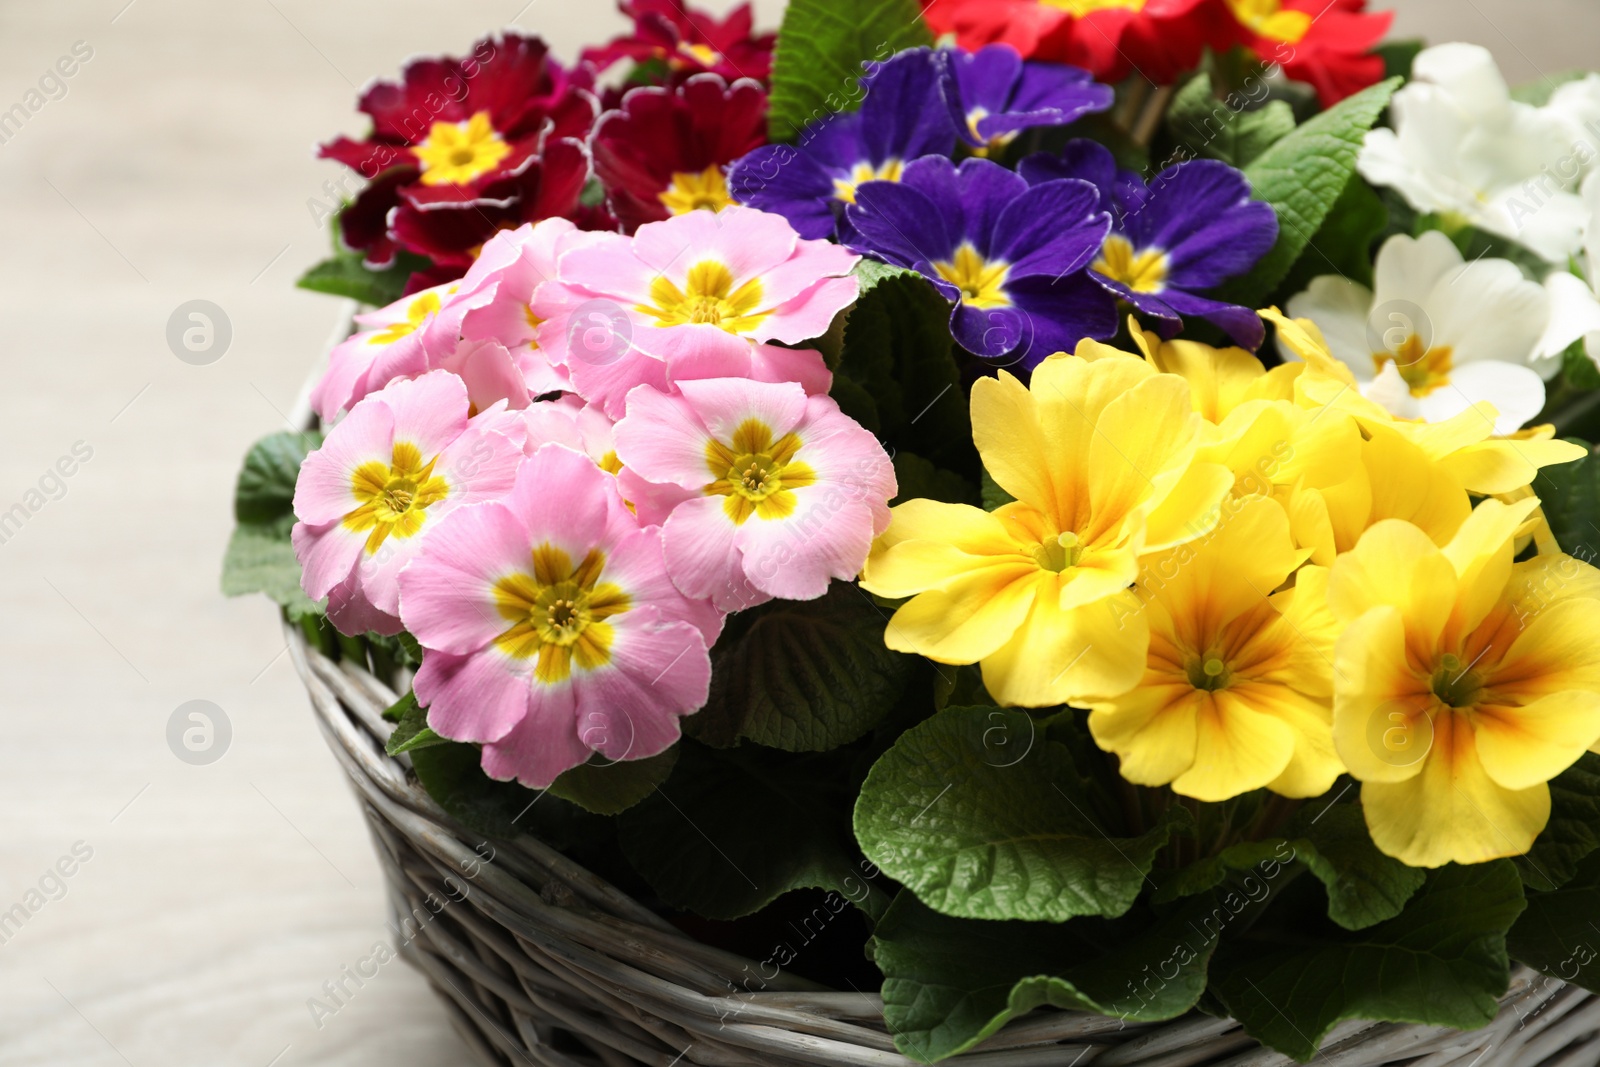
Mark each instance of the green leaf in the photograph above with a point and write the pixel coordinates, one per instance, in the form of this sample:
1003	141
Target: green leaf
730	832
983	817
264	492
1302	177
918	478
413	734
801	676
899	353
345	274
1441	962
260	559
1570	496
1573	832
871	272
960	687
1578	369
821	47
993	496
397	711
454	778
1344	245
1398	57
606	788
1224	129
1557	934
950	983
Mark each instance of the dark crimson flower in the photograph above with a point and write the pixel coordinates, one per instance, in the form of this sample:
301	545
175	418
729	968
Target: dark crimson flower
1009	256
993	95
1326	43
903	117
451	232
1109	38
684	41
1193	227
452	128
664	152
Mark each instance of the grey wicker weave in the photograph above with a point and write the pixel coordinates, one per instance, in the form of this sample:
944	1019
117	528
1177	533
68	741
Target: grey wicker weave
540	962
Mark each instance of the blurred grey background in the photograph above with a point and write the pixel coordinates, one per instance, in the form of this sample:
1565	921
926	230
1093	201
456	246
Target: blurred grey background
207	904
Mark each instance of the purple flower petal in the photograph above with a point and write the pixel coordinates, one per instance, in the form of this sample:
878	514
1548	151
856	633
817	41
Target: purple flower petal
903	115
1201	214
1084	160
1051	229
1061	312
900	224
1239	323
991	93
785	181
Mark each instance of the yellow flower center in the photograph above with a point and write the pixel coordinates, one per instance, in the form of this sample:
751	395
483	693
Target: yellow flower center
1455	684
557	613
1059	553
708	297
845	188
395	496
1268	19
1209	672
756	474
982	282
456	153
707	190
1143	272
1080	8
703	54
1424	370
417	313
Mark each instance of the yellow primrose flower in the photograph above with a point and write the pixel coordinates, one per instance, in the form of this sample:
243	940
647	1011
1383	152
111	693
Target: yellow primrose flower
1463	682
1100	458
1237	687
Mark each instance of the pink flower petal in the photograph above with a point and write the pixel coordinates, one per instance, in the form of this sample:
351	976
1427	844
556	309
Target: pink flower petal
447	592
429	412
663	439
698	541
327	555
352	613
472	698
324	492
541	746
724	404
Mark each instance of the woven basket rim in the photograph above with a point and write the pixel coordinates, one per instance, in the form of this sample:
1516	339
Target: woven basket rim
649	981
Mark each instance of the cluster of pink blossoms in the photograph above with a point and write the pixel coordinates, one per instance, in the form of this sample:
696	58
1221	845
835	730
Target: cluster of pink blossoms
562	471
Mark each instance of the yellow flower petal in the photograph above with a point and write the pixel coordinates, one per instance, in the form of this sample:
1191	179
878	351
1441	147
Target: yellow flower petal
1060	657
1382	725
1453	812
1405	484
929	543
1501	466
1145	433
1521	747
968	618
1481	553
1395	564
1237	749
1152	729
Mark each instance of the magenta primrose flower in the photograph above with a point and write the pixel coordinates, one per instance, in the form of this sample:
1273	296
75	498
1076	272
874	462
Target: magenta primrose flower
403	458
698	295
788	492
551	629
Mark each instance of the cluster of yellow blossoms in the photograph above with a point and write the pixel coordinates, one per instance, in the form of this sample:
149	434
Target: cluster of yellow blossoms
1259	579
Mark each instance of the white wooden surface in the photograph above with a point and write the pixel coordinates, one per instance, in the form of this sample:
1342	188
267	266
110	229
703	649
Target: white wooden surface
177	165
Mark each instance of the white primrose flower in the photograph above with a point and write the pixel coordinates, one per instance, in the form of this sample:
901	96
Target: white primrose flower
1462	148
1436	334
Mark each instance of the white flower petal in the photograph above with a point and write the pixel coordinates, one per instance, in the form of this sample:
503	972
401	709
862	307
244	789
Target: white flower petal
1391	390
1516	392
1488	310
1341	309
1574	314
1410	269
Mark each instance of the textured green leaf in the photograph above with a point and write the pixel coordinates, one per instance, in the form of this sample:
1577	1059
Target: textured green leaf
1222	128
871	272
1572	833
950	983
1302	177
413	733
983	817
1347	241
454	778
1570	496
1558	934
1441	962
898	375
730	832
821	47
260	559
397	712
264	492
802	676
345	274
606	788
1578	369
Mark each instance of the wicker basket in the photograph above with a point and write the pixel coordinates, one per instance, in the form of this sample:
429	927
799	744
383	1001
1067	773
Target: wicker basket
540	962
